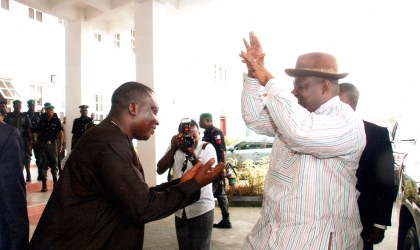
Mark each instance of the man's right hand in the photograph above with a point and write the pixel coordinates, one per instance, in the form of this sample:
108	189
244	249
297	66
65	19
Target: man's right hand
203	174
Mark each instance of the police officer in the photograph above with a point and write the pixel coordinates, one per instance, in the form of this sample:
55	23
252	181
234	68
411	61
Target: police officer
216	138
3	110
79	124
22	122
50	144
35	118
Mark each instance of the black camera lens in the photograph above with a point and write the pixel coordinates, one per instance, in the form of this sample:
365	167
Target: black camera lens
187	141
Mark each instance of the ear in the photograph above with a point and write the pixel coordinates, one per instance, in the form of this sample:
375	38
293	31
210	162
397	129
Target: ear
132	108
326	86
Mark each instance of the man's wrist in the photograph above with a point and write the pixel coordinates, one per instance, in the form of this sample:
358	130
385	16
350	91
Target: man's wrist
192	157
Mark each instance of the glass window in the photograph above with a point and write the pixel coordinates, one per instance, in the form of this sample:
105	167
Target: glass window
31	13
36	94
7	90
99	107
133	40
39	16
117	40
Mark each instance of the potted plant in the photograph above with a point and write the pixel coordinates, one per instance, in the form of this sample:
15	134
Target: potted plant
249	182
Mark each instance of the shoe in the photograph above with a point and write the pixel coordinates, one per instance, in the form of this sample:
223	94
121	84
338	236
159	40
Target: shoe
44	189
28	180
223	224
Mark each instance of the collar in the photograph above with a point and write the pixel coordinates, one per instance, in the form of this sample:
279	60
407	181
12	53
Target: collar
328	105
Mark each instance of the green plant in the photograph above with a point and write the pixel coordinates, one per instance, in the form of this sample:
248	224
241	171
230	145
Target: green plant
252	175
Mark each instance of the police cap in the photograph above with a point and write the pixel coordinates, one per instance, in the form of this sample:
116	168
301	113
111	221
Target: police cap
49	107
47	104
30	101
206	115
83	107
16	101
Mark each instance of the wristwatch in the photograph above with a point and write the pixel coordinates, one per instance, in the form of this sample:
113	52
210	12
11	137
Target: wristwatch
192	158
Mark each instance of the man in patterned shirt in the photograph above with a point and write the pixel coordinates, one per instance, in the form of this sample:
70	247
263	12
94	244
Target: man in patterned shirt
310	199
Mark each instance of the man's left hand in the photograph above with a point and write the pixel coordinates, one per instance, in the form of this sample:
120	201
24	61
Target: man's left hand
259	71
376	236
254	50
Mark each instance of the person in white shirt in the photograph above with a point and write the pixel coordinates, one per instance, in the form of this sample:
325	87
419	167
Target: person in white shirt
194	223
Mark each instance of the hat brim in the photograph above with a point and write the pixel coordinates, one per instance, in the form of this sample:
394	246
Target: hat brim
305	72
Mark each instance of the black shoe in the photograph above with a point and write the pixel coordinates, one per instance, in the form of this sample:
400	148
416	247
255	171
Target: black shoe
28	180
223	224
44	189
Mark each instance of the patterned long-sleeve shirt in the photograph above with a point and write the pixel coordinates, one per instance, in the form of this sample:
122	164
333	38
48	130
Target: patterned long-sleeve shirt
309	191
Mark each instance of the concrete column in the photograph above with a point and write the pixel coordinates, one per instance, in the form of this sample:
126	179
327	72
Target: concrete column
76	35
149	23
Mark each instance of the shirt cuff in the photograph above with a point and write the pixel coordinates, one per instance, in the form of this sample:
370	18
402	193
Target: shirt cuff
380	226
250	84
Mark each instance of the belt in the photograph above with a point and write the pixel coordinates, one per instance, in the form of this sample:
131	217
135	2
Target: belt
49	142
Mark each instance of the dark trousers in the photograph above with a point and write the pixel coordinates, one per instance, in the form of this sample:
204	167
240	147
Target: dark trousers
194	233
367	246
35	147
223	201
48	152
26	156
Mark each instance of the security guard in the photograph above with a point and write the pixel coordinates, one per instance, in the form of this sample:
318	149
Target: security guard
35	118
216	138
50	144
79	125
3	110
22	122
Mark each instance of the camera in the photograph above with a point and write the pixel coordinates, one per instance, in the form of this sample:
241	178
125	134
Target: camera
187	140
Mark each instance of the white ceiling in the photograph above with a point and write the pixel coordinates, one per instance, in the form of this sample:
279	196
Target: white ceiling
107	16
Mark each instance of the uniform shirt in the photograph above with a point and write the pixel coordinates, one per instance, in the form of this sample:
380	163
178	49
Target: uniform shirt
216	138
21	122
35	118
206	202
309	189
79	126
49	129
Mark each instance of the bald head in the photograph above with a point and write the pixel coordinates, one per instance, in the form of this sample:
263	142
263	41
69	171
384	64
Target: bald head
349	94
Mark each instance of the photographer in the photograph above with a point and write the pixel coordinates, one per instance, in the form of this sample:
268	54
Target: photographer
194	222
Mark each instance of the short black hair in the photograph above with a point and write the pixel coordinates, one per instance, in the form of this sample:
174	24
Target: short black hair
1	102
192	124
129	92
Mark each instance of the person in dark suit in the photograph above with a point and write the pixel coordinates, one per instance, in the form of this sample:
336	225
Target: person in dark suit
375	176
14	223
101	200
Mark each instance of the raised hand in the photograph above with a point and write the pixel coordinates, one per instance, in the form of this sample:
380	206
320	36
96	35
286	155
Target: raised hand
254	50
258	69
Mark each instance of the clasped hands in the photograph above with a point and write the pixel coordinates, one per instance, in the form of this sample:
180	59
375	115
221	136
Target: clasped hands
254	59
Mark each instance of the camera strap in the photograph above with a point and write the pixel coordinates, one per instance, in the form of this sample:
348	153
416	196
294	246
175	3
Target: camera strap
204	145
184	165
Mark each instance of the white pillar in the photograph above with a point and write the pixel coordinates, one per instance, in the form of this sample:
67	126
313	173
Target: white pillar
149	22
76	71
